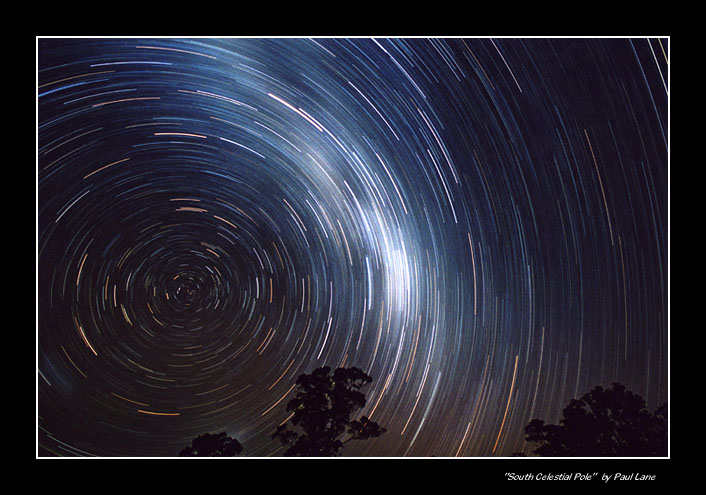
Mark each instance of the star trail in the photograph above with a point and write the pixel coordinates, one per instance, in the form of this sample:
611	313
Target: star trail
480	224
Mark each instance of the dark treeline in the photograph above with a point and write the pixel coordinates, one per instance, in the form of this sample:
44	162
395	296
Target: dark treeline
611	422
323	407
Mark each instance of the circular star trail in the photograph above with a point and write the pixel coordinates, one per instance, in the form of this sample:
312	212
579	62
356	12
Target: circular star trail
479	224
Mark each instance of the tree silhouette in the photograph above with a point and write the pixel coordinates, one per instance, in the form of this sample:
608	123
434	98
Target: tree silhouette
603	423
322	408
208	445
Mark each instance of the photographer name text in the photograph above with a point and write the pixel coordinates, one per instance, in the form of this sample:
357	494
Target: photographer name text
605	477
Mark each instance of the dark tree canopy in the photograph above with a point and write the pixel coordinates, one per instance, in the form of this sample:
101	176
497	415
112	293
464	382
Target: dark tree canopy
603	423
322	408
209	445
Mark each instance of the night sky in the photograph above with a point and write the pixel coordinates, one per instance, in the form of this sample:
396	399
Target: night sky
479	224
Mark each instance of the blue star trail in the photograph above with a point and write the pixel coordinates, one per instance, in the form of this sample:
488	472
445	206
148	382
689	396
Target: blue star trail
480	224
